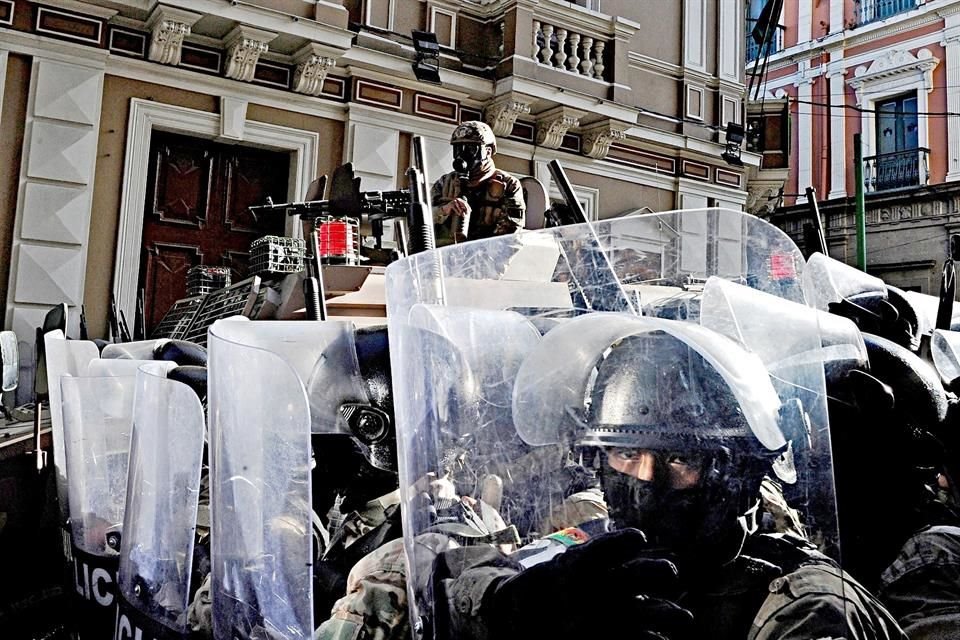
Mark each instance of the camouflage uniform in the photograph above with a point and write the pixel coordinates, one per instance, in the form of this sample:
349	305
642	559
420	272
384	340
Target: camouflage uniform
496	205
375	607
922	586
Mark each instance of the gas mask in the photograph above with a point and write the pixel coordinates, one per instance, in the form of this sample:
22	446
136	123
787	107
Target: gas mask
467	158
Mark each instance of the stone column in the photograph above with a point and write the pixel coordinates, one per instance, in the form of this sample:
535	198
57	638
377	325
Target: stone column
838	127
804	135
951	44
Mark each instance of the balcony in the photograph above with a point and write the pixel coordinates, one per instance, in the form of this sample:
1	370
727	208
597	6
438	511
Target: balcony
873	10
898	170
753	49
563	48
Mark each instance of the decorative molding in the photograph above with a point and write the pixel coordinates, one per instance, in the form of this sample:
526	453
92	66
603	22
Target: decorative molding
631	156
523	131
272	74
728	178
432	25
690	102
127	42
695	170
553	124
168	27
466	114
200	58
69	25
233	118
597	138
377	94
436	108
312	66
7	8
502	112
244	46
145	116
895	63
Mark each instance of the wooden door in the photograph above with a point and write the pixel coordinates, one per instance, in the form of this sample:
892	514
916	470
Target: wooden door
196	212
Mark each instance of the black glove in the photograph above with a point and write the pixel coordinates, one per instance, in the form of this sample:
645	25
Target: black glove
602	588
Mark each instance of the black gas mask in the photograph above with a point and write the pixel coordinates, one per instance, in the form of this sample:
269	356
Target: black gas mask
467	157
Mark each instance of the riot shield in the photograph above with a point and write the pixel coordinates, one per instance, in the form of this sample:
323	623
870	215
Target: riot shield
827	281
163	486
97	416
945	352
97	413
630	363
64	357
261	419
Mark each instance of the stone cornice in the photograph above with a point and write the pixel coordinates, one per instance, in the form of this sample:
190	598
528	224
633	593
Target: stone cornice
646	63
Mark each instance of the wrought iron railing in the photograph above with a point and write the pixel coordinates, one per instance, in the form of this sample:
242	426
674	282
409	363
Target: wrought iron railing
896	170
753	49
871	10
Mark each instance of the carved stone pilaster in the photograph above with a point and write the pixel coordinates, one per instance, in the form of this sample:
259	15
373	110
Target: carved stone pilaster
597	138
502	113
554	123
244	48
311	70
168	27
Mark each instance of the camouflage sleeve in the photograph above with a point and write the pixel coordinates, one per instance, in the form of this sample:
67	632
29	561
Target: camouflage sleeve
445	189
512	206
375	606
820	601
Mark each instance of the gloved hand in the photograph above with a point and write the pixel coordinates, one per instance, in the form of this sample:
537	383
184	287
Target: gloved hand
602	588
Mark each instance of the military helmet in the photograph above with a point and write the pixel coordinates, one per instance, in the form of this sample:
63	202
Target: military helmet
474	131
652	390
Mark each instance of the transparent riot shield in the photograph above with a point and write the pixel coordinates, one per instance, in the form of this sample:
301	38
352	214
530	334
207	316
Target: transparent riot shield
163	487
945	351
97	417
261	419
64	357
97	413
604	341
828	281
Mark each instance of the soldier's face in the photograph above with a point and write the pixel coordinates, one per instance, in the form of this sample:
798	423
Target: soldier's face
467	156
680	471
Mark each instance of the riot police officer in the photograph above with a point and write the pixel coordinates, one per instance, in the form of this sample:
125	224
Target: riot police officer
476	200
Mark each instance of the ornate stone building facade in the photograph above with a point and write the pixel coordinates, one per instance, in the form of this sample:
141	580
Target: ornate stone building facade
889	71
632	97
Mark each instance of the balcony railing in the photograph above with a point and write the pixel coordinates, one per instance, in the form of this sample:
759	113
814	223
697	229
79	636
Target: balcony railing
896	170
871	10
568	50
753	49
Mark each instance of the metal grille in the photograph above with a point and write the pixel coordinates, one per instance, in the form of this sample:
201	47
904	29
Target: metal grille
339	240
176	320
276	255
202	279
237	299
